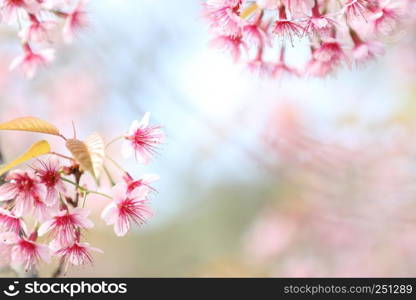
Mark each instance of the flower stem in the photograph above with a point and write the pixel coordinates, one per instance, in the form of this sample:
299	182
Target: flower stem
84	189
110	178
63	137
61	155
113	141
115	164
58	270
84	200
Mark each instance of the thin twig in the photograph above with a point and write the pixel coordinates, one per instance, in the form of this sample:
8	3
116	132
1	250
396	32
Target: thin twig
61	155
77	176
113	141
113	183
115	164
84	189
59	270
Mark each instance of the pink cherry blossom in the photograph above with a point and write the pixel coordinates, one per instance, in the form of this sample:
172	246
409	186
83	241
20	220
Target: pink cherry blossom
65	225
14	3
386	16
251	31
38	31
29	253
36	23
285	28
24	188
356	8
329	52
318	24
231	44
49	196
10	223
75	20
41	211
144	181
30	61
325	59
367	51
7	241
254	33
142	140
223	16
127	206
318	68
49	176
77	253
11	8
259	67
281	68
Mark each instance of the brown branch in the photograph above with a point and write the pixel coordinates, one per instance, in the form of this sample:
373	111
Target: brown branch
59	270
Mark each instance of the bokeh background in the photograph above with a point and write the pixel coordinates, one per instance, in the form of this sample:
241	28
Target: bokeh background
288	177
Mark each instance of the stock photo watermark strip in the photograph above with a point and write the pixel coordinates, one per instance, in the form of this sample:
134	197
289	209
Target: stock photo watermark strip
281	288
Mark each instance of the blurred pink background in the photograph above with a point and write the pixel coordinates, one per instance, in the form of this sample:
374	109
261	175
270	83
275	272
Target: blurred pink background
287	178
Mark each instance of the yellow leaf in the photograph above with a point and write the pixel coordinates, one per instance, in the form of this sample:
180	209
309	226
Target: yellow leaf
81	154
249	10
96	148
37	149
30	124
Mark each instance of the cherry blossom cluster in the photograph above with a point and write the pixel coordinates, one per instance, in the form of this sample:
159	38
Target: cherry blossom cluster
38	22
335	33
44	208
